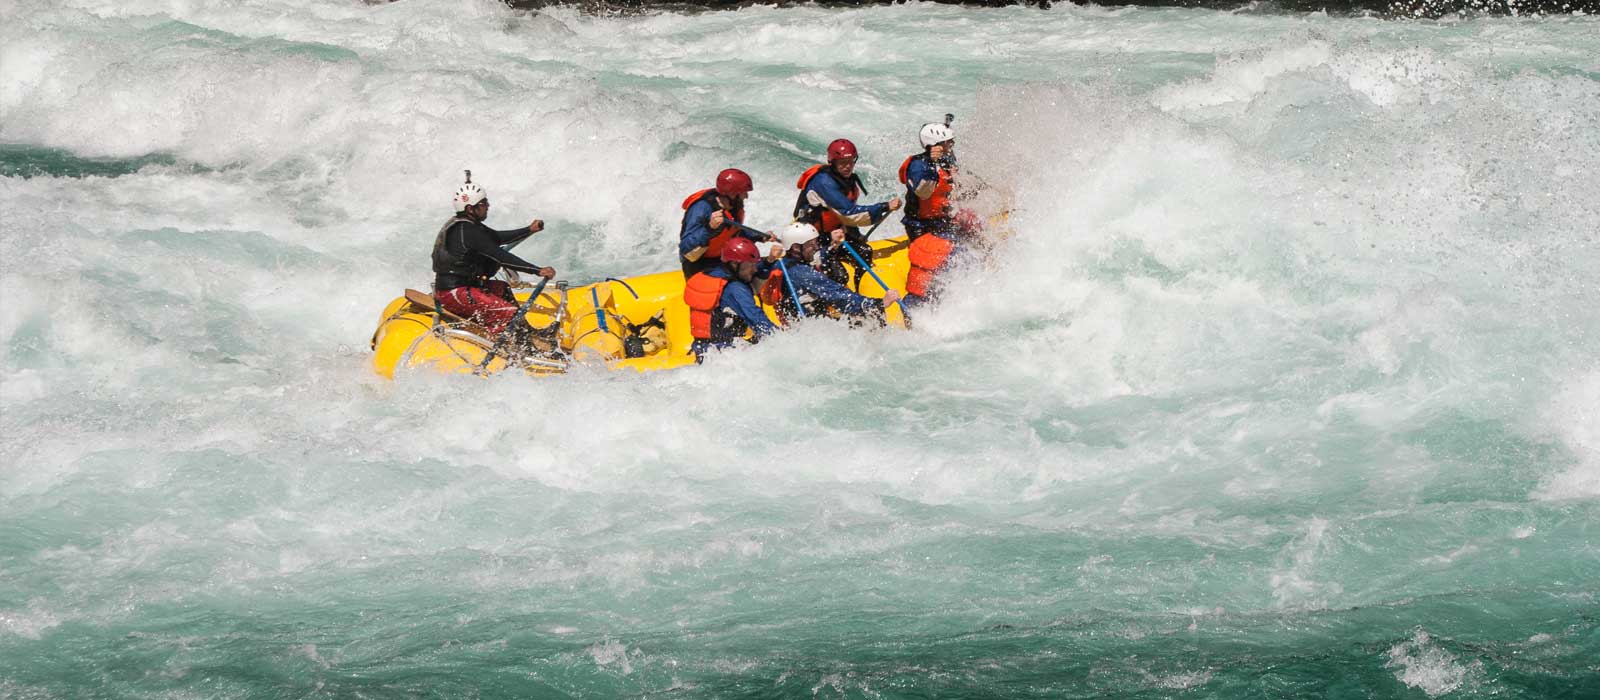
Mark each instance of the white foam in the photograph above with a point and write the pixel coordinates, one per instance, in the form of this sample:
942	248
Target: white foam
611	653
1184	680
1212	291
1297	581
1243	78
1423	664
30	623
1574	416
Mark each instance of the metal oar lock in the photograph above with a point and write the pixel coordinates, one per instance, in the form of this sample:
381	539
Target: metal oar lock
522	317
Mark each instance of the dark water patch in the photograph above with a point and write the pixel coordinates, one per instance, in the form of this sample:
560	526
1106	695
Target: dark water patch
29	345
750	132
184	34
402	649
1485	459
27	161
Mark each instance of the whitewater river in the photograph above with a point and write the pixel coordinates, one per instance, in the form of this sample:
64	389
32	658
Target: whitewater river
1286	385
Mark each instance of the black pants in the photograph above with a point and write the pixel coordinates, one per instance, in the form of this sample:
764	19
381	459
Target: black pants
696	267
834	259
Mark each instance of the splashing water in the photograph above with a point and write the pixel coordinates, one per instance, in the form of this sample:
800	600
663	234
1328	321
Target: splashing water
1286	384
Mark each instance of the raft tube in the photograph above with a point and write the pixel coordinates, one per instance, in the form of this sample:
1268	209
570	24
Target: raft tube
596	324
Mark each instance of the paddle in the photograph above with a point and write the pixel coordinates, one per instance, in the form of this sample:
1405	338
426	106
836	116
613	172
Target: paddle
815	200
865	266
792	293
785	268
522	313
875	226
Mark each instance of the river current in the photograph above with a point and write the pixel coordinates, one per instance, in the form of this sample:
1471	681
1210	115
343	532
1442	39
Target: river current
1286	382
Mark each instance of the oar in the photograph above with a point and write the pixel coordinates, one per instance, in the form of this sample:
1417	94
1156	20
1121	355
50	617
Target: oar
816	200
875	226
865	266
785	268
752	230
522	313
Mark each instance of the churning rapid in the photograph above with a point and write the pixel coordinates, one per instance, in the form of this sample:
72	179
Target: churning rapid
1287	383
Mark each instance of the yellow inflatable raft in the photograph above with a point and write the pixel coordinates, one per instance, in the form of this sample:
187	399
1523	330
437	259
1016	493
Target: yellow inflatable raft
639	323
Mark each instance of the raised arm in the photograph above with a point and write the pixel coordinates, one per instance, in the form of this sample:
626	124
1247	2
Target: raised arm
487	242
851	213
697	231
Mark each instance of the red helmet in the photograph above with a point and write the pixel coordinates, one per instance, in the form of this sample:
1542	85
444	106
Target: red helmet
840	149
739	249
733	182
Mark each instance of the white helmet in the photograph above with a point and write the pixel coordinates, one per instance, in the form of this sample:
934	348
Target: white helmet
767	248
797	233
934	132
468	195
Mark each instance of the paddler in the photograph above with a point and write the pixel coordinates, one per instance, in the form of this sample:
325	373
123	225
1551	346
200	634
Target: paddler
721	299
932	223
467	253
712	217
801	245
827	201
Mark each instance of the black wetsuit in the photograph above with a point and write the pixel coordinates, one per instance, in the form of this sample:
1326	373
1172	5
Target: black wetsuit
466	253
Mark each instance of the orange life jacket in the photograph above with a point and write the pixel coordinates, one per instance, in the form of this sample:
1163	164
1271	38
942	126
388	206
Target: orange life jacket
702	293
714	248
927	255
829	220
937	205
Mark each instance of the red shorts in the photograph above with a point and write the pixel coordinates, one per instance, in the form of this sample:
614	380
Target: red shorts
491	306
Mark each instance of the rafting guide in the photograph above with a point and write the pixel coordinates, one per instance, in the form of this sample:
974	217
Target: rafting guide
466	256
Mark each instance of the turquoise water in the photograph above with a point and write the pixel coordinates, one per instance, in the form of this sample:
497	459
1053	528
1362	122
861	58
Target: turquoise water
1286	385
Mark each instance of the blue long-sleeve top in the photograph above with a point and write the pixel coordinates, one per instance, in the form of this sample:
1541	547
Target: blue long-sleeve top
835	195
740	300
920	171
696	232
921	177
807	280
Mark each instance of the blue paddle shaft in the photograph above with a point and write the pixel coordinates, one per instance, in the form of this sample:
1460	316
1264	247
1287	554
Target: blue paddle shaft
846	244
864	265
792	293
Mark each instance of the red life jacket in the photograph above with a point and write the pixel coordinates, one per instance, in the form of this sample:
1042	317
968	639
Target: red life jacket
937	205
829	220
702	293
772	292
927	254
714	248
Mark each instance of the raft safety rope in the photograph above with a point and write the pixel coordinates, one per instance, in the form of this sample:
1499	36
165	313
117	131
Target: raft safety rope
599	315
